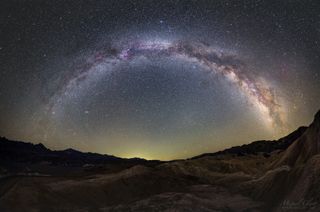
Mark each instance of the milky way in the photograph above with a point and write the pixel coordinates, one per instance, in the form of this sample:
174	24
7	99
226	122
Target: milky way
234	70
165	79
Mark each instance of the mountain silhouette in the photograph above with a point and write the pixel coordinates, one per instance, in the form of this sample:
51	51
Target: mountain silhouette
280	175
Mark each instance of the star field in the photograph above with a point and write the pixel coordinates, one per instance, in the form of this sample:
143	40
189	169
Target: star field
157	79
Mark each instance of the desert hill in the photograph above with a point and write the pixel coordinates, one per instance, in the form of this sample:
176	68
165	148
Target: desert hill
261	176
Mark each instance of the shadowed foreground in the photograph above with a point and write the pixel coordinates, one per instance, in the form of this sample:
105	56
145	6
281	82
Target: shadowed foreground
262	176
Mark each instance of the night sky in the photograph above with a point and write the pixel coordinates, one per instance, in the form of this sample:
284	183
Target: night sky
157	79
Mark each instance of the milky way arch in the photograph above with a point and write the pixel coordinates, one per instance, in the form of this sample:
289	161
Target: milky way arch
234	70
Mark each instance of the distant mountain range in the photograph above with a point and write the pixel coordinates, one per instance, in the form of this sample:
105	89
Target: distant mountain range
17	151
17	156
262	146
280	175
